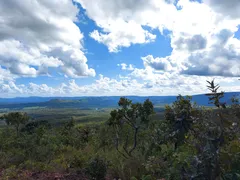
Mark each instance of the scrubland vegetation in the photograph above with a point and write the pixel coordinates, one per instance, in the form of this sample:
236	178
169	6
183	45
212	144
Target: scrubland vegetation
189	142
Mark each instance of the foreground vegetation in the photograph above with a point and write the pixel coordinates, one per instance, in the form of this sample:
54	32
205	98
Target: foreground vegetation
190	142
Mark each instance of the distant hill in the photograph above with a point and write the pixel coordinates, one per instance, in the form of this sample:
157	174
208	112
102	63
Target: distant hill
98	102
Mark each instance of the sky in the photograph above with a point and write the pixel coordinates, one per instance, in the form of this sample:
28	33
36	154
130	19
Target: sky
118	47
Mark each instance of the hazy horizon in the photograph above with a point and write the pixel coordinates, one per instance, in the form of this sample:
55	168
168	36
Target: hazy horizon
59	97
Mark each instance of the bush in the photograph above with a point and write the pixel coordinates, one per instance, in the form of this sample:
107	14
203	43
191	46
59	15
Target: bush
97	168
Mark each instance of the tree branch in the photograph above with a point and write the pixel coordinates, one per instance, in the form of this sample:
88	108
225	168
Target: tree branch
117	144
135	141
126	144
128	121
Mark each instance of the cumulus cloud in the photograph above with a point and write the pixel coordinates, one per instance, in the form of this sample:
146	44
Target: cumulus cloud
203	45
31	32
209	49
114	39
175	83
157	63
196	31
39	35
18	58
163	84
122	22
145	74
103	85
222	58
5	75
196	42
229	8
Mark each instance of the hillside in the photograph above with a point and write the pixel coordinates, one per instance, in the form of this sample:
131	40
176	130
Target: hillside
98	102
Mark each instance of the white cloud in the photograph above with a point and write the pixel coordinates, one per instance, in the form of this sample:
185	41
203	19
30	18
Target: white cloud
204	44
18	58
31	32
163	64
220	59
199	33
174	83
122	22
124	66
145	74
161	84
41	34
229	8
5	75
117	36
196	42
102	86
42	89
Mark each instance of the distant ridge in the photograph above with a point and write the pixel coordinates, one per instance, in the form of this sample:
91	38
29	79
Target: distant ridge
100	101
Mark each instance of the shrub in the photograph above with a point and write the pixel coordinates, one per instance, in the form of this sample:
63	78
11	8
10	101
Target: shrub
97	168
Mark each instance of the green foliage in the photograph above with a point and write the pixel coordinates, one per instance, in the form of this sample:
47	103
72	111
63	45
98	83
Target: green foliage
215	96
144	177
15	119
97	168
127	121
189	142
180	118
32	126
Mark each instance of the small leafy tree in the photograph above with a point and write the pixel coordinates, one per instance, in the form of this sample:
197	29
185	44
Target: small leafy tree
16	119
128	120
67	127
32	126
97	169
215	96
216	133
180	117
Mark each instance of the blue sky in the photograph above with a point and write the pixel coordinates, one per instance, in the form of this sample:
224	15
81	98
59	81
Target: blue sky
106	47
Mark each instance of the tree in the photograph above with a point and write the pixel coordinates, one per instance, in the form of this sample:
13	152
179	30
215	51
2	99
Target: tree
215	96
127	121
15	119
216	136
32	126
180	117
